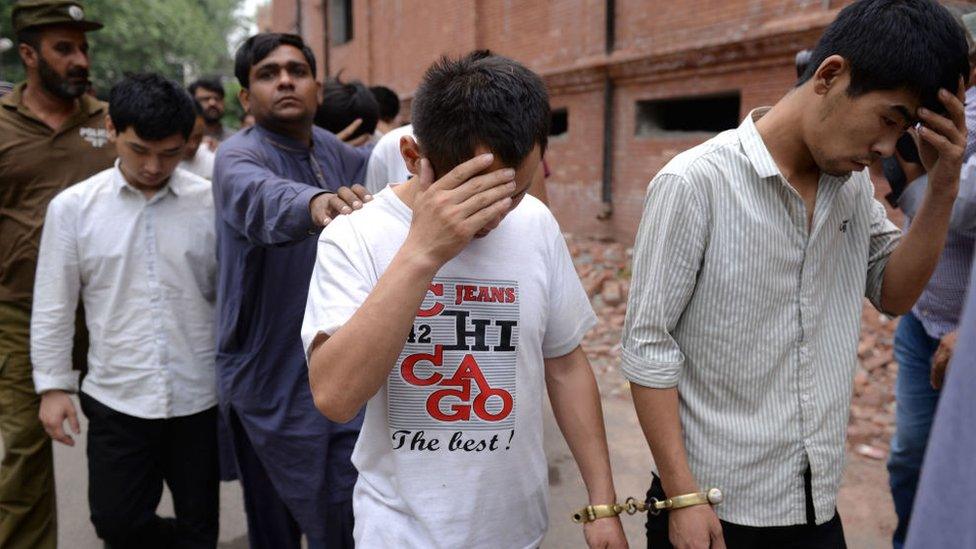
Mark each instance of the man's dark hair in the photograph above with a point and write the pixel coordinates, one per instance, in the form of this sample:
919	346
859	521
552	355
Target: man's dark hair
343	103
479	99
155	106
259	46
389	102
30	36
896	44
209	84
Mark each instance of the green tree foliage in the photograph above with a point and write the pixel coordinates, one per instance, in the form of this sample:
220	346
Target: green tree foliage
180	39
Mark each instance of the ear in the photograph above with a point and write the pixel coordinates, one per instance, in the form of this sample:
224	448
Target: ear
28	55
829	73
113	134
410	151
244	97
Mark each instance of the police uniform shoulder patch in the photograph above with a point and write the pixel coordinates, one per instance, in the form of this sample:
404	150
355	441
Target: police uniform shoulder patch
97	137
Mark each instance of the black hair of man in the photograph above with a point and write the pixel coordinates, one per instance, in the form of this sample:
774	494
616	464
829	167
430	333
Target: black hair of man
156	107
916	45
479	99
259	46
344	102
388	101
30	36
209	84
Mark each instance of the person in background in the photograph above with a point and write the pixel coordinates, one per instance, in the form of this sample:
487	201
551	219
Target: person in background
209	93
196	159
52	135
276	184
389	103
343	103
136	244
926	336
943	511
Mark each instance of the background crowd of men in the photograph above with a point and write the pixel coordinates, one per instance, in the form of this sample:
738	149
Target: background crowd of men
221	315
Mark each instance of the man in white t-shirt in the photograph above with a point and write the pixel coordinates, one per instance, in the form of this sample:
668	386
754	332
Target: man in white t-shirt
386	164
449	307
196	159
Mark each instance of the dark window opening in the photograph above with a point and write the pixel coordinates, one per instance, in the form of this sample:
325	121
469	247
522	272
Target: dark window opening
340	21
703	114
558	123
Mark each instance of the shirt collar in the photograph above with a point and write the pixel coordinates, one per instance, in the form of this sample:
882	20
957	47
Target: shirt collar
282	141
754	146
758	154
175	185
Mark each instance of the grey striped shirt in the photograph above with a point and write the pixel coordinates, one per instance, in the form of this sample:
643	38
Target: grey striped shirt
755	319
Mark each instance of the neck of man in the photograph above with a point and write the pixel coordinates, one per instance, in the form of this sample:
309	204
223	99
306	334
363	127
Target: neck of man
214	128
299	131
407	191
781	129
146	191
52	109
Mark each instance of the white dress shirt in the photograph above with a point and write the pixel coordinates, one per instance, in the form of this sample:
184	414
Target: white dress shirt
146	270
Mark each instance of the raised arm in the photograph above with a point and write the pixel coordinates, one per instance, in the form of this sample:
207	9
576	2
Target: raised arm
942	141
269	210
348	366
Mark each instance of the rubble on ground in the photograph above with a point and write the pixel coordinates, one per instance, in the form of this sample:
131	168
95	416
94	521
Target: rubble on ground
604	268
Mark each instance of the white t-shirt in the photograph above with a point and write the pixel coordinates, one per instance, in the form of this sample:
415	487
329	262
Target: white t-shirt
451	453
386	164
202	163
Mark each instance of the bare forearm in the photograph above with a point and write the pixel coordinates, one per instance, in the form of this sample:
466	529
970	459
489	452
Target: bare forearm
657	411
913	261
348	368
575	400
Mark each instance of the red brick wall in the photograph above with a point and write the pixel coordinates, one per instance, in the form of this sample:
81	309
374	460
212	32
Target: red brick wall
662	50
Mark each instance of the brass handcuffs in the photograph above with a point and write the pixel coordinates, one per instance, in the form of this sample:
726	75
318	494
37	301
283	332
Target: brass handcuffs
654	506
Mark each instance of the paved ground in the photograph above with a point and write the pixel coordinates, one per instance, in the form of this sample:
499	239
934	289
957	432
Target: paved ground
864	504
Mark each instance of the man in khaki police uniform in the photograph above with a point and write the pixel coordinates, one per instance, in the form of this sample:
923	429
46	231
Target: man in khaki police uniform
52	135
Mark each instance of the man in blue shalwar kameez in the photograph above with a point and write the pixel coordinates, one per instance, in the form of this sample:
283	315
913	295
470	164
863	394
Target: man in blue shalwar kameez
275	186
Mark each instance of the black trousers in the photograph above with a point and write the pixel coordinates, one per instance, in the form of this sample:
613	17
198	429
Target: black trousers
829	535
129	458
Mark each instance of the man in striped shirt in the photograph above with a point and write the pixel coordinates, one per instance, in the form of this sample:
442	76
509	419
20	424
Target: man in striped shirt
755	251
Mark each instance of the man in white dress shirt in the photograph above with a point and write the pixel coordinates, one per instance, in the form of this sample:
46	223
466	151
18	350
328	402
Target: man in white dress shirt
136	244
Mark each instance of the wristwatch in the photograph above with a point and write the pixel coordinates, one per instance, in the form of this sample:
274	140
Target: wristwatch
713	496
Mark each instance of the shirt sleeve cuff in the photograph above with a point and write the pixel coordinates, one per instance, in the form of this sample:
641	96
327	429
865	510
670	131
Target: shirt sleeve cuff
876	286
565	347
67	381
648	373
305	198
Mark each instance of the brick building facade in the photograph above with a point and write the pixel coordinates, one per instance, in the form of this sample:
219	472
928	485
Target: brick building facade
643	79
